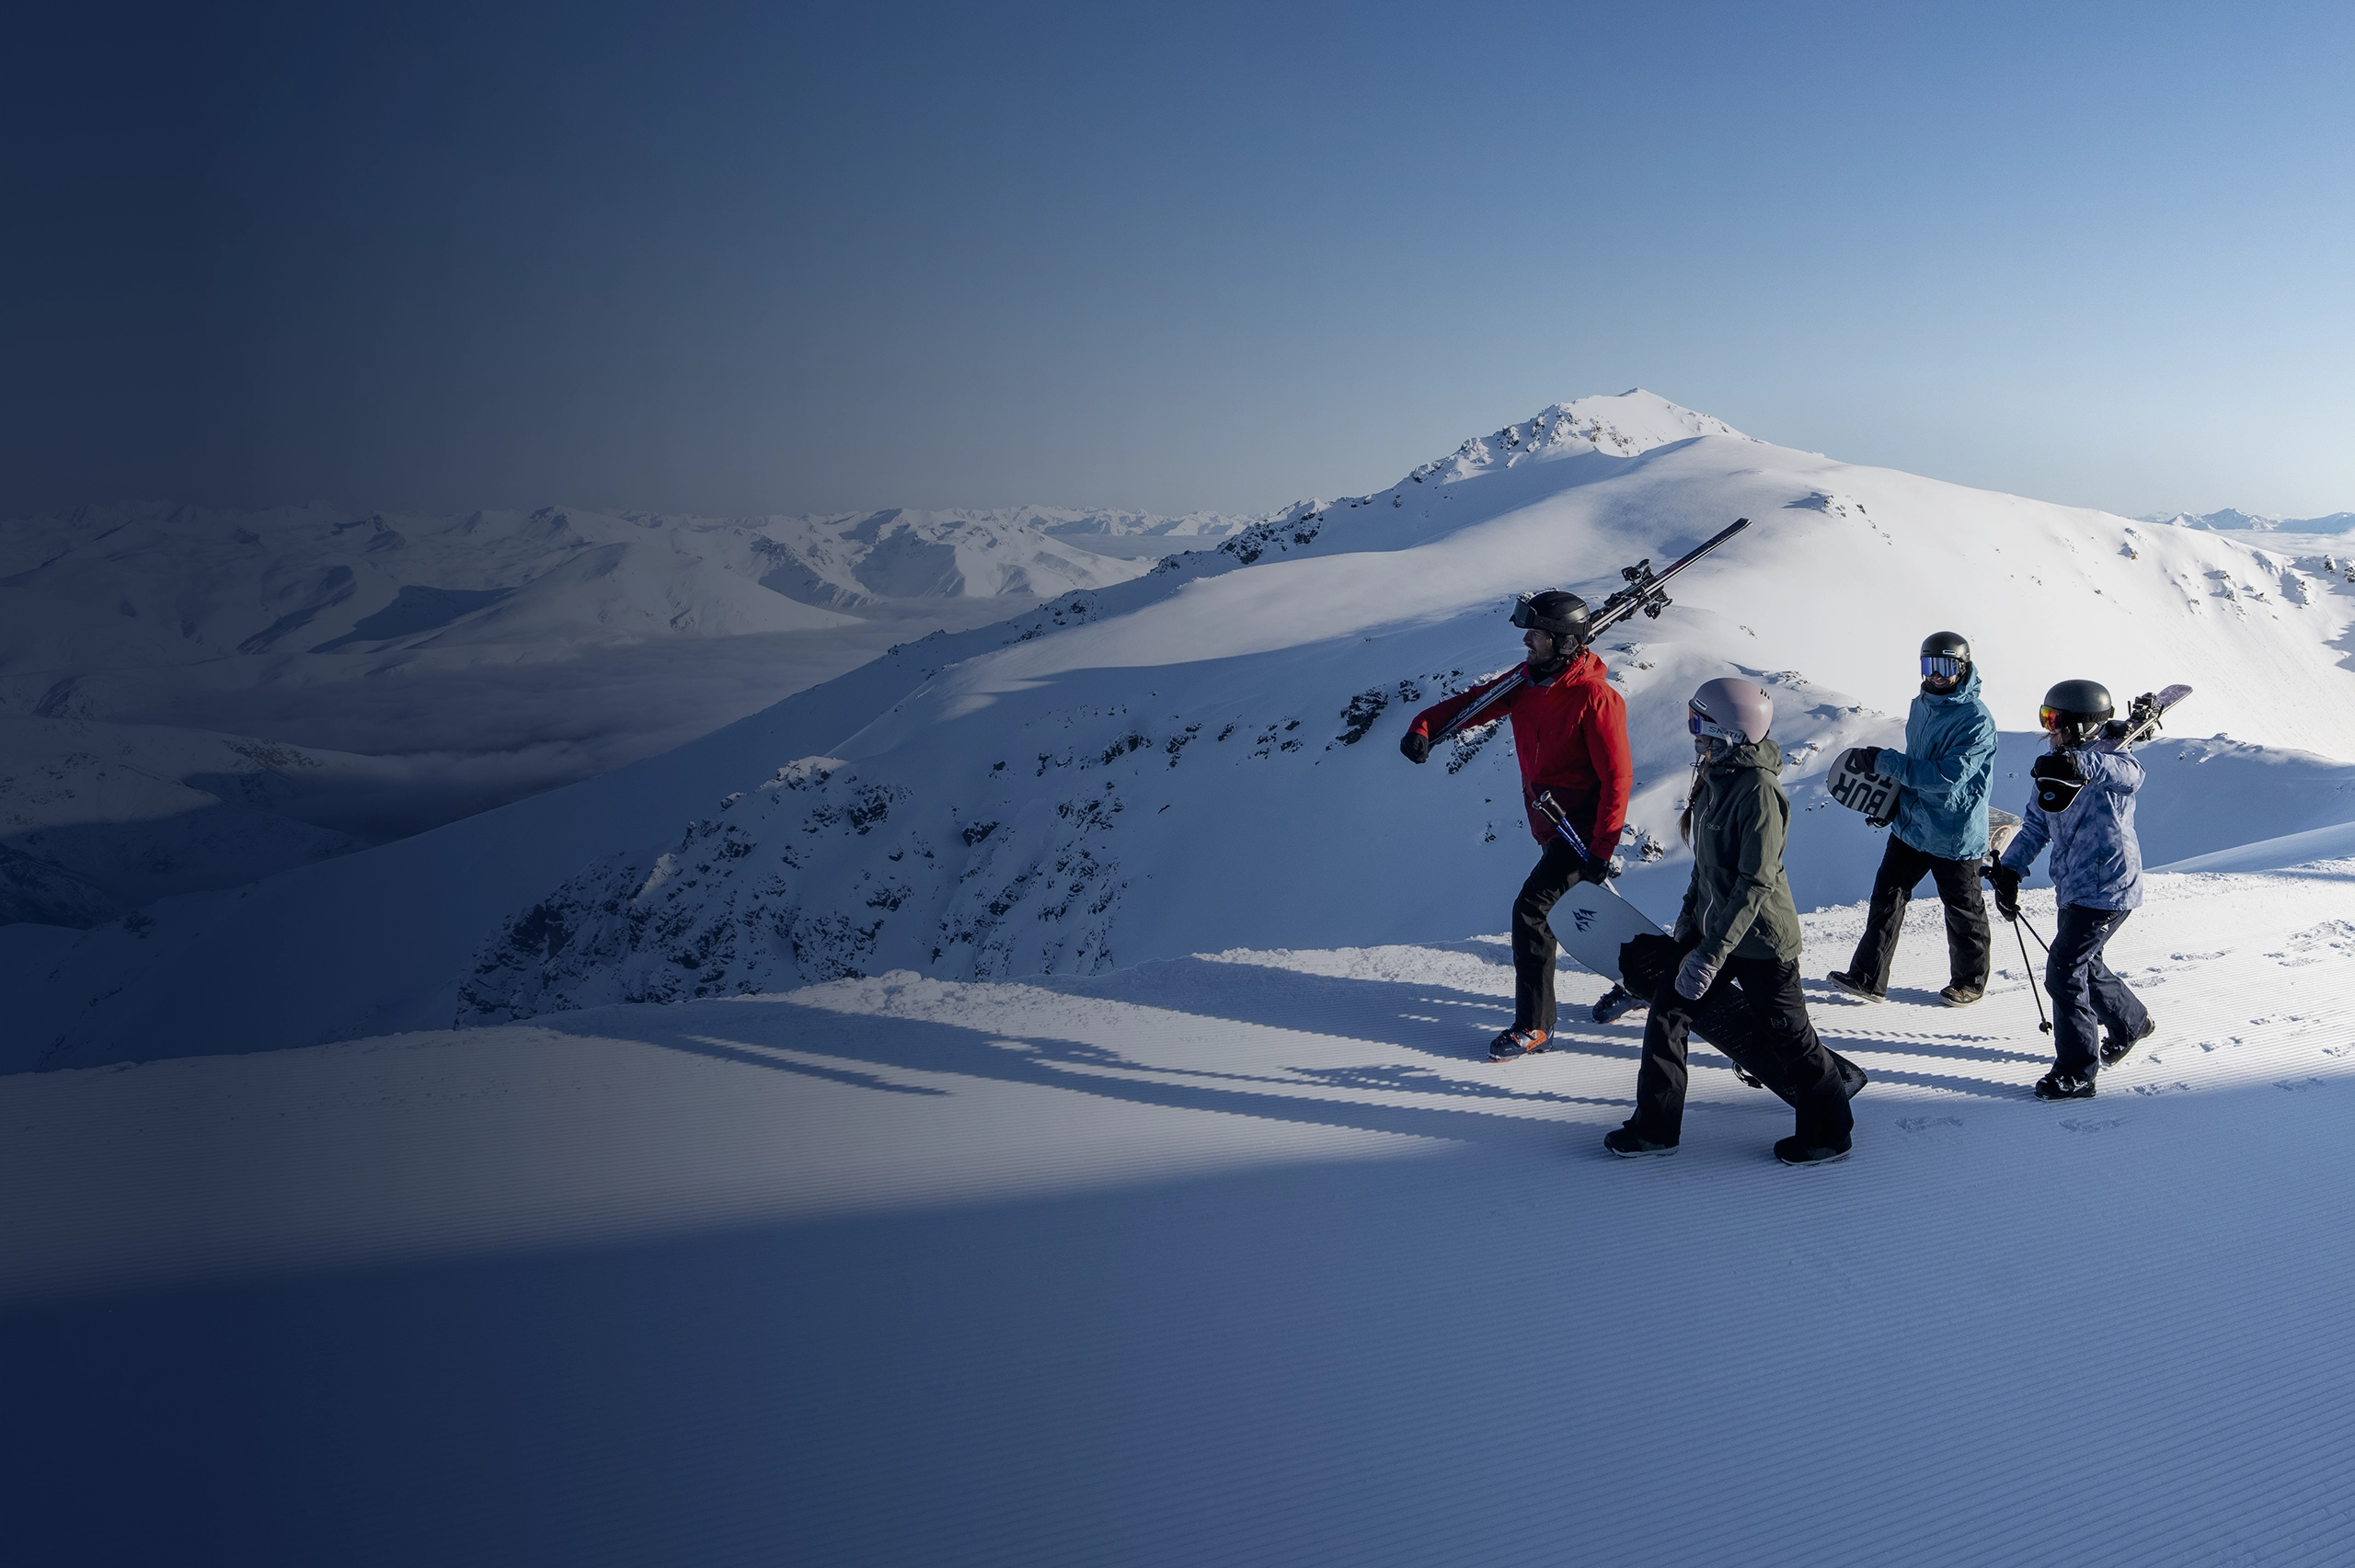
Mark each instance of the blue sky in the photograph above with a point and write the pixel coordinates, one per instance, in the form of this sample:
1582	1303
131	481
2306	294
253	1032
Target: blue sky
735	258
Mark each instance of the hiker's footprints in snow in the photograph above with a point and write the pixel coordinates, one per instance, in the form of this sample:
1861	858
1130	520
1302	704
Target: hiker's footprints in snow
2092	1123
2332	939
1935	1125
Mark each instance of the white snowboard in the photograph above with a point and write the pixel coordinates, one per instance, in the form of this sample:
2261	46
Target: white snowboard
1592	922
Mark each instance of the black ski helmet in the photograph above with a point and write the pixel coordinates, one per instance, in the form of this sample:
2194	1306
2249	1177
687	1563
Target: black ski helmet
1945	655
2075	711
1560	615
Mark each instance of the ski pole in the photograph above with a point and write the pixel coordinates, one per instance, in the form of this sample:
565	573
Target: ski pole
2042	1023
1553	812
2040	939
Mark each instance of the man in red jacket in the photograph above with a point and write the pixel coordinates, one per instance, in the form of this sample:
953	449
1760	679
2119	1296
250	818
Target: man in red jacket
1569	729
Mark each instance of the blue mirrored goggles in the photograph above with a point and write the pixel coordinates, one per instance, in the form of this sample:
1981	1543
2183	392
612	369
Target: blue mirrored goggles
1943	667
1698	723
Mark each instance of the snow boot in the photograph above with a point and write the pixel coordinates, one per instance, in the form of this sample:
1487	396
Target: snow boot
2115	1046
1627	1143
1798	1151
1853	985
1616	1003
1959	995
2059	1085
1514	1043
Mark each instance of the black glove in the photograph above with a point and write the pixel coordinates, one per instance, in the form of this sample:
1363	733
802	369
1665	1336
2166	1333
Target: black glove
2058	779
1415	748
2007	891
1864	758
1595	869
2116	729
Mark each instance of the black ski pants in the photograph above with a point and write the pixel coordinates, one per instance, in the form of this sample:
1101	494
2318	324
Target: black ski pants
2085	993
1556	872
1901	869
1769	989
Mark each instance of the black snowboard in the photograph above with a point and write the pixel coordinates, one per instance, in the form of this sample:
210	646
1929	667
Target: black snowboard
1722	1021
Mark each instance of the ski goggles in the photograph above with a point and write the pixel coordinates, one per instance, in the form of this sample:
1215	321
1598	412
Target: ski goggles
1699	723
1943	667
2053	719
1524	613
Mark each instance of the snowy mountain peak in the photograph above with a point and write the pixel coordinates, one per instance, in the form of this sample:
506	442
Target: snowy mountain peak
1634	421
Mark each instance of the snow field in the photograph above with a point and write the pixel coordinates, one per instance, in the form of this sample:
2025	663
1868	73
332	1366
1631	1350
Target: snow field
1244	1256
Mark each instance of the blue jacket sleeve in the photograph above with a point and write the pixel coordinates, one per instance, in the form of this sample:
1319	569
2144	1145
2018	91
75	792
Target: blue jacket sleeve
1939	777
2108	769
2028	843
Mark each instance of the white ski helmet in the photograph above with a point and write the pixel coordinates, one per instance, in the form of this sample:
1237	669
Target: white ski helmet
1731	709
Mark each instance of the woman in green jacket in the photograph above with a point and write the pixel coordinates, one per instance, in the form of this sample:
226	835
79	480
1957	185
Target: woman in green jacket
1737	937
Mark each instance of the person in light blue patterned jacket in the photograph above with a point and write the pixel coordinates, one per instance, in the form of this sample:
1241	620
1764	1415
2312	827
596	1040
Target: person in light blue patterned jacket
2084	807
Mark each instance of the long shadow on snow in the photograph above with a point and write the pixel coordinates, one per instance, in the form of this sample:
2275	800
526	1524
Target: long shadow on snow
747	1032
723	1031
1326	1004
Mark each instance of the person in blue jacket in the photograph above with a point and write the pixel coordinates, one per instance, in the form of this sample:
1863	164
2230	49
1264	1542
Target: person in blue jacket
2084	807
1943	778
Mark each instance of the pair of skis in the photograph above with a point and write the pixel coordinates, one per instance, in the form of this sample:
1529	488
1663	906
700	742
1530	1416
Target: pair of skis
1646	593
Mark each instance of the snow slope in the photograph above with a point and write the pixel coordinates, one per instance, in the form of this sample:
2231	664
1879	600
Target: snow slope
1242	1258
1204	757
98	819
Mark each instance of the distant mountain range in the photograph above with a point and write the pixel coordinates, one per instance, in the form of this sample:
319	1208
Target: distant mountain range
2232	521
193	698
